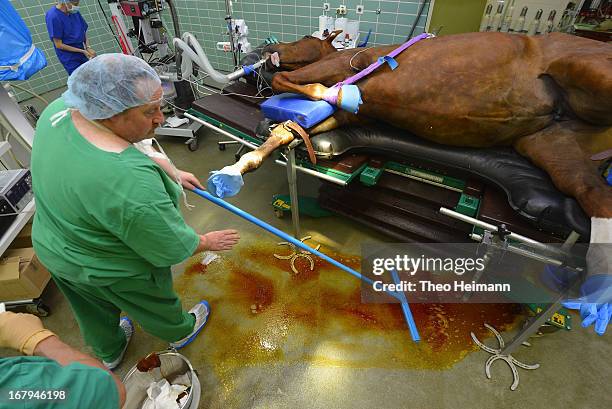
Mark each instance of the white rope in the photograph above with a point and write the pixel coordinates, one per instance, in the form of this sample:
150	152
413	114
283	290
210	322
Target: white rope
177	177
57	117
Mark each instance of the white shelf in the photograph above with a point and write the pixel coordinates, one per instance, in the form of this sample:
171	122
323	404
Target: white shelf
14	229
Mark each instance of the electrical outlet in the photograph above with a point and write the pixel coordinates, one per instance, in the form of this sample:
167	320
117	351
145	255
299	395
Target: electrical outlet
326	6
341	10
359	9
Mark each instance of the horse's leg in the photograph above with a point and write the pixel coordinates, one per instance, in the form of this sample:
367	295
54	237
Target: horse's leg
314	79
584	71
564	152
282	83
337	120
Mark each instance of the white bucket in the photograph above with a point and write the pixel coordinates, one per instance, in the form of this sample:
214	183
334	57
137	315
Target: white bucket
172	365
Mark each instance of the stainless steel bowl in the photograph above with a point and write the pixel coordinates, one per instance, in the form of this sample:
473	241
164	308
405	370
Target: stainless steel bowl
173	365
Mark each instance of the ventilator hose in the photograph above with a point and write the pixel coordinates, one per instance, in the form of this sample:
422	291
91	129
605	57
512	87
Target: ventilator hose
199	57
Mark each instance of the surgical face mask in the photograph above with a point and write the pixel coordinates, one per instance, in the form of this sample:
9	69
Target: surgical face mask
74	9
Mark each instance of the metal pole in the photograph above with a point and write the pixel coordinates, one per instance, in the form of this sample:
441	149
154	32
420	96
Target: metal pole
534	323
314	173
221	131
229	10
293	195
532	326
494	229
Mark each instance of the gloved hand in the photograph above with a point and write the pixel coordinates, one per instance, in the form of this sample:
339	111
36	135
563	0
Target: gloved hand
599	314
22	332
595	305
225	182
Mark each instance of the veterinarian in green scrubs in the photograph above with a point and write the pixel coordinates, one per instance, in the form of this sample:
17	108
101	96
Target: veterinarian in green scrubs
107	224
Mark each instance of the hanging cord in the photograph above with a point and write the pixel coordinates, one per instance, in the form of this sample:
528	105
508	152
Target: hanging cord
355	55
416	19
10	151
110	29
34	94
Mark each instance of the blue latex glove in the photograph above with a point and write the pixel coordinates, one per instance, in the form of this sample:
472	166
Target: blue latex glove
225	182
595	305
599	314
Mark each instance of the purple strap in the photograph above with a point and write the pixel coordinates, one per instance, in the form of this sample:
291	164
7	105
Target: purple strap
331	95
378	62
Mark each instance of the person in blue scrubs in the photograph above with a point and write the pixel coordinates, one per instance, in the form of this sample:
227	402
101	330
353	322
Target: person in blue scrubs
68	31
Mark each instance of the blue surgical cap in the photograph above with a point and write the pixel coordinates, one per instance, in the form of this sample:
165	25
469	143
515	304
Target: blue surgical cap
109	84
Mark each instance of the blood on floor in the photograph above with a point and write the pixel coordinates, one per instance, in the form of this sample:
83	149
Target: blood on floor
263	313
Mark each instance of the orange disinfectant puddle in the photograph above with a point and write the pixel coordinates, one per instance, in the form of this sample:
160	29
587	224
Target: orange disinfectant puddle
263	313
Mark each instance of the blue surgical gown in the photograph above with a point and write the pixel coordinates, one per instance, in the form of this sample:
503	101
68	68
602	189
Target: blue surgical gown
71	29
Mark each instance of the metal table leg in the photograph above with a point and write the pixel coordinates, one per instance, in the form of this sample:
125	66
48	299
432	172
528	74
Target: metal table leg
293	194
532	326
534	323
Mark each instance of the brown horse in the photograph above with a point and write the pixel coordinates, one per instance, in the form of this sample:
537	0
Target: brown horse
548	96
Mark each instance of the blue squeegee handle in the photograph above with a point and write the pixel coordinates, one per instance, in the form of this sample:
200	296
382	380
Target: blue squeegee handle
400	296
414	332
284	236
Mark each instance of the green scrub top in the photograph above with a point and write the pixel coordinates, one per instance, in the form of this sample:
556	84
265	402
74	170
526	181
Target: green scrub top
101	216
34	382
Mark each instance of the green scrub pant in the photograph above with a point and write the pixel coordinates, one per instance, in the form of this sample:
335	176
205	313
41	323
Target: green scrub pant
152	303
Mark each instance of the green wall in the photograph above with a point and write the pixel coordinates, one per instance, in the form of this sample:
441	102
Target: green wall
457	16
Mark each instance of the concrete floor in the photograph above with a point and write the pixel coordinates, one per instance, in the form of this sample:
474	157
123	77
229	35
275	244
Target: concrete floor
298	349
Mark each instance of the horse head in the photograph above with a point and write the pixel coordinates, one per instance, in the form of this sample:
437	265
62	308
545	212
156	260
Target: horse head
300	53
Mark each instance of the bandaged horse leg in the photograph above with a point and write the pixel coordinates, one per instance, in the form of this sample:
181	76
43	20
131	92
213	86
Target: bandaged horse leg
228	181
347	97
252	160
328	71
315	79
